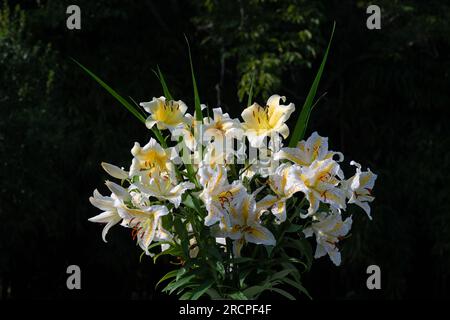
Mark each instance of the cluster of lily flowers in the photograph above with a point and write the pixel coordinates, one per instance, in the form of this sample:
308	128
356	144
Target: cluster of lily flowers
223	167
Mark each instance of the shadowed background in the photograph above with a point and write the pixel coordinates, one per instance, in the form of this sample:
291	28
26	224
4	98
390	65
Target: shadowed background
386	107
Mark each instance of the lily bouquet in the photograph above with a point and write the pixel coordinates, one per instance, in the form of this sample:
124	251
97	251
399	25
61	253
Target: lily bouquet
223	197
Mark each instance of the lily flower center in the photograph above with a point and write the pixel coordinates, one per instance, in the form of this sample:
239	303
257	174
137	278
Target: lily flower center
261	116
153	159
169	113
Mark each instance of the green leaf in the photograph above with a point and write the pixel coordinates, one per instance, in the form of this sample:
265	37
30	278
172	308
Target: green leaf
220	268
269	250
297	286
242	276
171	287
281	274
118	97
182	233
186	296
242	260
192	202
302	121
283	293
168	275
188	202
295	272
304	247
213	294
198	110
200	290
140	257
238	296
157	244
250	93
164	85
180	273
254	291
159	136
293	228
174	251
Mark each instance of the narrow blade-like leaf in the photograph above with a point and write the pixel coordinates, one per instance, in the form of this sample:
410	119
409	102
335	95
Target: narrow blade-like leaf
200	290
250	93
198	110
168	275
164	84
283	293
117	96
302	121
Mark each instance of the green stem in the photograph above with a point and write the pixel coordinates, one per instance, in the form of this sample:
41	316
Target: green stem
290	219
159	137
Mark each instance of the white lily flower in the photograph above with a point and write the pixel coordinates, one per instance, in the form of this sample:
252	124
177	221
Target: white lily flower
359	188
221	126
217	153
245	226
329	229
263	165
127	198
319	183
263	162
261	122
110	216
188	131
206	170
159	185
218	195
315	148
145	223
163	235
166	114
151	157
278	182
115	171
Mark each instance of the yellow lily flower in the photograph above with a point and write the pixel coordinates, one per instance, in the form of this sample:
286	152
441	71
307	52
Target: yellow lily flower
329	229
319	184
166	114
151	157
315	148
261	122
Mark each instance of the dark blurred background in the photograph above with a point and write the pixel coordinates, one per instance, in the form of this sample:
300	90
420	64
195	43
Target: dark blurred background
388	94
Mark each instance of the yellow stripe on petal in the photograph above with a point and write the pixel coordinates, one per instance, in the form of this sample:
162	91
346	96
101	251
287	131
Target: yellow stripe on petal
259	235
